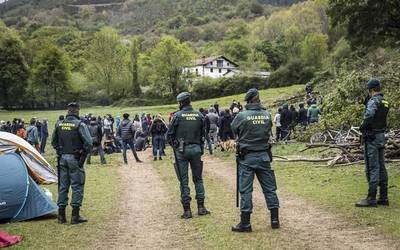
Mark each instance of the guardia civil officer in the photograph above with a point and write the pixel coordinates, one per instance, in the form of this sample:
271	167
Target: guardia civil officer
72	141
186	135
373	129
252	128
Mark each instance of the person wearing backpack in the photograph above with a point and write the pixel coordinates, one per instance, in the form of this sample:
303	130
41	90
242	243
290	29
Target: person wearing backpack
33	134
97	135
158	130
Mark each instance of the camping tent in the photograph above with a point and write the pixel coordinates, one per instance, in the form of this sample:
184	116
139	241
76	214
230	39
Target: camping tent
20	197
39	169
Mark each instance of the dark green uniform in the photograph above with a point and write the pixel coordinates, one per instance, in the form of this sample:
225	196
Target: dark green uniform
187	128
253	129
374	125
70	137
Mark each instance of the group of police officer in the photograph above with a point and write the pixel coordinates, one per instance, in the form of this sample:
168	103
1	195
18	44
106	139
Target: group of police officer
186	135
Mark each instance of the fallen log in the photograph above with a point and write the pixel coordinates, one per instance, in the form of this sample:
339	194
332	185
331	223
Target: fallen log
304	160
356	163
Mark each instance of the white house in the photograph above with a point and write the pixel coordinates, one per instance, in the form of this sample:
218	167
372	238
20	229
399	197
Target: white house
214	67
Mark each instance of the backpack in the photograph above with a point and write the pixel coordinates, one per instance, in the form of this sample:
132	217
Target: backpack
94	133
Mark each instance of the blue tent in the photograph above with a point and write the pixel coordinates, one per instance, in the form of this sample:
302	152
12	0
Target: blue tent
20	197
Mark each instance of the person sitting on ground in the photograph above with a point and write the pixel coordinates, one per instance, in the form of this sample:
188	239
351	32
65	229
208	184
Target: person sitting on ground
33	134
313	114
140	140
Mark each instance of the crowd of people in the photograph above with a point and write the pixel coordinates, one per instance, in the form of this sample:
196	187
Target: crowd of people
36	133
287	118
115	135
109	134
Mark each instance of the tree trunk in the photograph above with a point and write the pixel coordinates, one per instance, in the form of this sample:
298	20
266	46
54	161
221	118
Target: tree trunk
136	91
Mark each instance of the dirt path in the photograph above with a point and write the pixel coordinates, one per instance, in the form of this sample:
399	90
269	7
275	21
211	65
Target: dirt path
307	225
147	217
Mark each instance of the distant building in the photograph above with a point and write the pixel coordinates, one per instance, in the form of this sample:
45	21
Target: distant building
214	67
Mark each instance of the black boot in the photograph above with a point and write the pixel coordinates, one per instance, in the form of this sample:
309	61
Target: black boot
160	158
244	226
187	212
61	215
275	218
76	218
383	196
370	201
155	158
202	210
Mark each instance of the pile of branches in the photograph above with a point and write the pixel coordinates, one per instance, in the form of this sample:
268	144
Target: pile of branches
347	154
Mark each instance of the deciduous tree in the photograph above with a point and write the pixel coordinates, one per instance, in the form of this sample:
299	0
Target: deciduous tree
14	71
167	61
51	75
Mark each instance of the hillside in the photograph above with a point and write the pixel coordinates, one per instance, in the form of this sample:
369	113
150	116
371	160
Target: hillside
132	16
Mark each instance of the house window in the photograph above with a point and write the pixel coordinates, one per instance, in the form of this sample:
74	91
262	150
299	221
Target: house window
211	70
197	72
211	63
227	64
220	71
220	63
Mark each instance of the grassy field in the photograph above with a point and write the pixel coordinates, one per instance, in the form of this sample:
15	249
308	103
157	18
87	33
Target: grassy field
100	196
101	191
215	230
337	189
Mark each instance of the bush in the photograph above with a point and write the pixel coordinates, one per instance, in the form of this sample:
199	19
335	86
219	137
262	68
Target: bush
295	72
344	105
210	88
